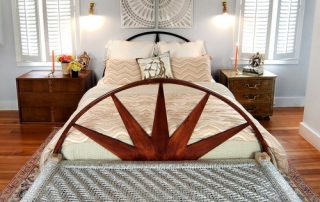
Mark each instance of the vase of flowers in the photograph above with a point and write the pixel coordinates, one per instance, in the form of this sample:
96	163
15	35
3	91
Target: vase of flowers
75	67
65	60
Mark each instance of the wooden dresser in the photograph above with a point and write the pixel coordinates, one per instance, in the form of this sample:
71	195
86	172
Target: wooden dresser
54	99
255	93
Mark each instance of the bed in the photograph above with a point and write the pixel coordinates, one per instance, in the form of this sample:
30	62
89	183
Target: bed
162	123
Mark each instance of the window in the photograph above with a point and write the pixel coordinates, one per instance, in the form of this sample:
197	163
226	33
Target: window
42	26
271	27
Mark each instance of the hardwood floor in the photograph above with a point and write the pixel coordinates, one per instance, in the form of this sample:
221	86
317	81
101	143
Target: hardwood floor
18	142
284	125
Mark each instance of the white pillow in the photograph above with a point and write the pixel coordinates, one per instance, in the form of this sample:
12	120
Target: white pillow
182	50
127	50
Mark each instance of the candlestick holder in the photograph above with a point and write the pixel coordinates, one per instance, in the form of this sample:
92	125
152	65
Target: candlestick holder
51	74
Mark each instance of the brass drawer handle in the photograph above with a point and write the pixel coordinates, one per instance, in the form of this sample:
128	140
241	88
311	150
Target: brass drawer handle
251	97
255	86
250	108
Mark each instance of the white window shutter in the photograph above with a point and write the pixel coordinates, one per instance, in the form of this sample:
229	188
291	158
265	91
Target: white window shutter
28	30
287	37
255	19
59	26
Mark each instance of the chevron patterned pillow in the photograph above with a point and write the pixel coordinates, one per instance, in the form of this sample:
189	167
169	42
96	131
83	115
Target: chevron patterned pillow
121	72
193	69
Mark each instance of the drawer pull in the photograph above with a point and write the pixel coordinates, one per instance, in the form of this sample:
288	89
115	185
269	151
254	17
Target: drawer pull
250	108
251	97
255	86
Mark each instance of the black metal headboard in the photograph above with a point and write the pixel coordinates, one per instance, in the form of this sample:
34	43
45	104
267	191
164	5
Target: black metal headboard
157	33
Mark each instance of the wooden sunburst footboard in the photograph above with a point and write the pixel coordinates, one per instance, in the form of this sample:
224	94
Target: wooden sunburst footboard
159	145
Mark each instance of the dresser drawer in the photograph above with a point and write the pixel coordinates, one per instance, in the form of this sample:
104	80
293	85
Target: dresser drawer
259	109
245	97
74	85
49	99
35	114
251	85
46	114
29	85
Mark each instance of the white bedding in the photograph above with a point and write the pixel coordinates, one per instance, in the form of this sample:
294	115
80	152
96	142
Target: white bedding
140	101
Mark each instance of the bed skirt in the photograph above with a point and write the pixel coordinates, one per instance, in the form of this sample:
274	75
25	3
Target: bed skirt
207	180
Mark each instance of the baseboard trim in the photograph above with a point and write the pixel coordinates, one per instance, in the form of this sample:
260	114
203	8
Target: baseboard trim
311	135
8	105
289	101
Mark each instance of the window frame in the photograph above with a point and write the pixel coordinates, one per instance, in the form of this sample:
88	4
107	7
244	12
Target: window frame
271	40
42	36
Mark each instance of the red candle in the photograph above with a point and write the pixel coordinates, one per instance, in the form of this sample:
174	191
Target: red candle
52	54
236	60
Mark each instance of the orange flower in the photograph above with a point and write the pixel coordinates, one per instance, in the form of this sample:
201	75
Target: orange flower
65	58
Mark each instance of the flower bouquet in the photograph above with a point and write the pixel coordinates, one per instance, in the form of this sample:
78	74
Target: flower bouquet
65	60
75	68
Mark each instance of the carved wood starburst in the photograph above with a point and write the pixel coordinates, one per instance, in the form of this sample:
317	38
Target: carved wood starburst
159	145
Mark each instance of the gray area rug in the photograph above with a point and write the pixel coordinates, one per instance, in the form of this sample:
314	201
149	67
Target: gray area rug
216	180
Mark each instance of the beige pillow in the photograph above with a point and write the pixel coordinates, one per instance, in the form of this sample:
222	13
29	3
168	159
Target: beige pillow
121	72
182	50
155	67
193	69
127	50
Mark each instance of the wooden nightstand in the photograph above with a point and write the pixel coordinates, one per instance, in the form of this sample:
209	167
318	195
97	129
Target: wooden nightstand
44	99
255	93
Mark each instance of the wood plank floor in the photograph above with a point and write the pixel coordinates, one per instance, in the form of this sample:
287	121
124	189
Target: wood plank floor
284	125
18	142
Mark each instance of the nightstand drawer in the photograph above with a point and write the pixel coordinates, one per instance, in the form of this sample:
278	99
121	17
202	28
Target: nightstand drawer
74	85
251	85
259	109
25	85
244	97
49	99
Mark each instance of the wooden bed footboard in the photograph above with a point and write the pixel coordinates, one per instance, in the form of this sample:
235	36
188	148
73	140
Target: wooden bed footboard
159	145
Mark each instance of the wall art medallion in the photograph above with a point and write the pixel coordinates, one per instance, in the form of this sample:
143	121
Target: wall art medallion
175	14
137	13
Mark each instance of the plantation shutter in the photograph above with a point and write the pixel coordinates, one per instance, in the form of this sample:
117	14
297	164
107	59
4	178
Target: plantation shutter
28	28
287	29
255	22
59	26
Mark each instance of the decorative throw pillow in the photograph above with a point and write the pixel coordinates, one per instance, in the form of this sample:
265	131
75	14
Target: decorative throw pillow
182	50
193	69
121	72
155	67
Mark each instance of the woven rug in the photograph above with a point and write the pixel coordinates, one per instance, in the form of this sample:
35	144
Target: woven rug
201	180
23	180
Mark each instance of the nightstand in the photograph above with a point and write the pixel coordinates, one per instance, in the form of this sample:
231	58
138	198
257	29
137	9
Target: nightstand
255	93
50	99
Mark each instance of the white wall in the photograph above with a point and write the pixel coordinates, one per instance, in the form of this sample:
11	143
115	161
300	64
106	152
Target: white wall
310	127
291	83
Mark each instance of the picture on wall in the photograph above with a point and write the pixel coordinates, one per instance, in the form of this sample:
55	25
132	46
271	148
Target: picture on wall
175	14
137	13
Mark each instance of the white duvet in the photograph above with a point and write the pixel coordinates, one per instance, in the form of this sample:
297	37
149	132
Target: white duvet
140	101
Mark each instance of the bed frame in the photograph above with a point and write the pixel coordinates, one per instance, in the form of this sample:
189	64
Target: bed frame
159	145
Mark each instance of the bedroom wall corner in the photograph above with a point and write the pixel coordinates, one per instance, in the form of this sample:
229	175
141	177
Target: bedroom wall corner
310	127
